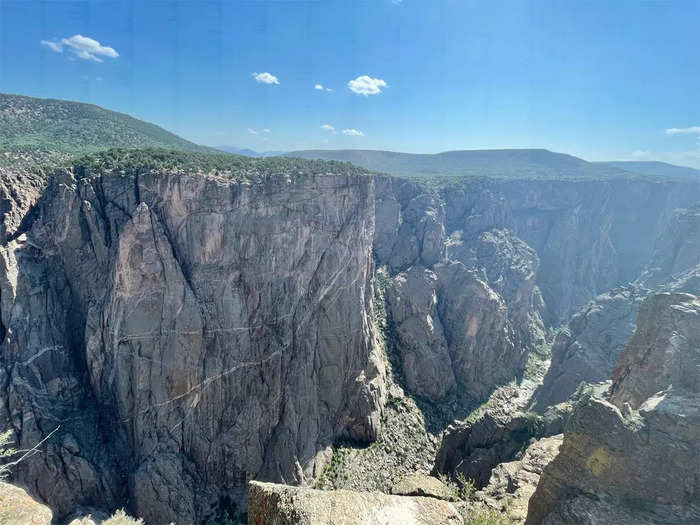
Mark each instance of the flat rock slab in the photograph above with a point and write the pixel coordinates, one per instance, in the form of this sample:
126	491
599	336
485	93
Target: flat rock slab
273	504
422	485
17	508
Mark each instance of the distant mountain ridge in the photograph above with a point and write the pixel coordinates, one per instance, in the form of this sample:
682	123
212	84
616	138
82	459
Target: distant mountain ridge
40	130
655	168
496	163
501	163
249	152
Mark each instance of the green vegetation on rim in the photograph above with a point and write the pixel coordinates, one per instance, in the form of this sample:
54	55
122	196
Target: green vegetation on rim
136	161
76	128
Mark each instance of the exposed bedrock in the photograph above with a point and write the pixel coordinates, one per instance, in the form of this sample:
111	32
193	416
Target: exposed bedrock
188	334
273	504
634	457
588	348
464	311
590	236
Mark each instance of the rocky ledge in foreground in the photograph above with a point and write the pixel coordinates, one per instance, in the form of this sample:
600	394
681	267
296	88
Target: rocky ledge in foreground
633	457
273	504
17	508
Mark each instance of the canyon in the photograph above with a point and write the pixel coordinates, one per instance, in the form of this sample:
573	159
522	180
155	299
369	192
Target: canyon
179	324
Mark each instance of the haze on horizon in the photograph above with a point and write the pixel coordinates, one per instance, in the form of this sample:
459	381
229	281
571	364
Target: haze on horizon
598	80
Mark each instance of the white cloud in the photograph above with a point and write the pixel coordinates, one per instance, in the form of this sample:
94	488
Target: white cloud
692	130
265	78
353	132
252	131
321	87
82	47
366	85
53	46
328	127
640	154
266	130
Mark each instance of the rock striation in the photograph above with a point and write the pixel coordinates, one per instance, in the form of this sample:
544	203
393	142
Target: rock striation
189	332
633	457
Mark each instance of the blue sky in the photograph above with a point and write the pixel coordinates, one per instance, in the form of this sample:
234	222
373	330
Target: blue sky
599	79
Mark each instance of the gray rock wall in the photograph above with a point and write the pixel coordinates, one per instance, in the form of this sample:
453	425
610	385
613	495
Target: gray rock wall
634	456
188	334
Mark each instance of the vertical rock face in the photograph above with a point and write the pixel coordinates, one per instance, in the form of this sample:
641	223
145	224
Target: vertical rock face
464	310
635	458
189	333
540	250
588	348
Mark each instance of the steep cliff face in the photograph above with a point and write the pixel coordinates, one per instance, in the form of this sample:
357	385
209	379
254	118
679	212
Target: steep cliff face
479	267
189	332
634	457
464	309
588	348
590	236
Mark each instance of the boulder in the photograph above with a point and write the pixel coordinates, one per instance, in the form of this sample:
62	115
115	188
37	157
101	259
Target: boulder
273	504
421	485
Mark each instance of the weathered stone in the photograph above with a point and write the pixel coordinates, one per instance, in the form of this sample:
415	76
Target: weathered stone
200	330
475	446
272	504
422	485
512	484
664	351
17	508
635	459
425	361
588	348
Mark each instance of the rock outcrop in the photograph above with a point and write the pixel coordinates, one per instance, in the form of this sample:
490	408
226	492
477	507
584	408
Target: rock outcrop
189	332
491	435
421	485
465	309
512	483
272	504
17	508
635	456
587	349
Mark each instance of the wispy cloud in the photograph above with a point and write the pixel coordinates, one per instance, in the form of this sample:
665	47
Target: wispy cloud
353	132
327	127
640	154
82	47
692	130
366	85
252	131
321	87
258	132
265	78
